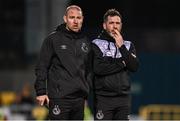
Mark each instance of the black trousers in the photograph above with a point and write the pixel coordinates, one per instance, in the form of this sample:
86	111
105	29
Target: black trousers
66	109
112	108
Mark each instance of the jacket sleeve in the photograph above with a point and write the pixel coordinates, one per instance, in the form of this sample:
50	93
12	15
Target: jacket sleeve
41	70
89	67
129	57
105	65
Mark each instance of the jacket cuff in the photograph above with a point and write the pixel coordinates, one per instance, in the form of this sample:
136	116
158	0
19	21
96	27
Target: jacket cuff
124	51
40	92
123	48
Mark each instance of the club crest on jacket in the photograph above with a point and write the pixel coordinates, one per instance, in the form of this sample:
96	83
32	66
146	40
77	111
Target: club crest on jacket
56	110
84	47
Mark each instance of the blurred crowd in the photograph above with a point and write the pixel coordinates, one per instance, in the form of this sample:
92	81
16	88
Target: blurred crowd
22	106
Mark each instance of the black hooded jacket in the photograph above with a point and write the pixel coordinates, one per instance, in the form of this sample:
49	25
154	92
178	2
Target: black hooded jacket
112	65
62	70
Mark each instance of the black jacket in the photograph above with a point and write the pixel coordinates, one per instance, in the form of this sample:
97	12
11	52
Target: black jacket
111	73
62	70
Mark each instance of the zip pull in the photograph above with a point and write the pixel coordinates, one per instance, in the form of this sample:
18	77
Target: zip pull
115	54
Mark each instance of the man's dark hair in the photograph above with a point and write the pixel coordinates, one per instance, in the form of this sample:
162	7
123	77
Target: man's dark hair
111	12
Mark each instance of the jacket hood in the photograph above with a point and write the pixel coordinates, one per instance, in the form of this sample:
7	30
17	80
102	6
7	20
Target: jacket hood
70	33
105	36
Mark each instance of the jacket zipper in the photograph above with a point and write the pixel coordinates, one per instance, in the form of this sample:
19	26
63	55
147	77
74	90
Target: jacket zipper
115	51
75	51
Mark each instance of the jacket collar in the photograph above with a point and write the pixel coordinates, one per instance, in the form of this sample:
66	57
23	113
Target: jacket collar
105	36
69	33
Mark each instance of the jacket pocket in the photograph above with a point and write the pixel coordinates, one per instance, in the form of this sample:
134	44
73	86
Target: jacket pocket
124	83
117	83
110	84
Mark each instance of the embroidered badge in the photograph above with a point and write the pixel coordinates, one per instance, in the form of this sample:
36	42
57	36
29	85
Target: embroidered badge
84	47
99	114
56	110
63	47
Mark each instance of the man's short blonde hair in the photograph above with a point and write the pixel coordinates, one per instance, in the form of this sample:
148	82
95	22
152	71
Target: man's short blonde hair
73	7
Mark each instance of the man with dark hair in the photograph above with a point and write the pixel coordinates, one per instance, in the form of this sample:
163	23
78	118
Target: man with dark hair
63	69
113	59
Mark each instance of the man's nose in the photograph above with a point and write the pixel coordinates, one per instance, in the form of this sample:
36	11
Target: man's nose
75	21
114	27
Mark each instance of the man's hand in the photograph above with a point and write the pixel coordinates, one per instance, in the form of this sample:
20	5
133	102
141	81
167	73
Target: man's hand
118	38
42	100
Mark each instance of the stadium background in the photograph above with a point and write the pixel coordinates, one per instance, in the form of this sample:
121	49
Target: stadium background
153	26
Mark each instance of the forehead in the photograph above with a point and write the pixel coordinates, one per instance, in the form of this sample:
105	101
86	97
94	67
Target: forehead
114	18
74	11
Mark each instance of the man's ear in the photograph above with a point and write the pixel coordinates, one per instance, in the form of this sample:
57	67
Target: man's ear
121	28
104	26
65	19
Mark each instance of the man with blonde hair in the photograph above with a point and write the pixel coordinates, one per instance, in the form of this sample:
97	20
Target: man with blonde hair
63	69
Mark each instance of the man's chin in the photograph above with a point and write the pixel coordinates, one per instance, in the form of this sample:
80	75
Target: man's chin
111	34
75	30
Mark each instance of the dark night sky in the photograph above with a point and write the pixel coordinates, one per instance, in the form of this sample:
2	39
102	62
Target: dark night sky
136	13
